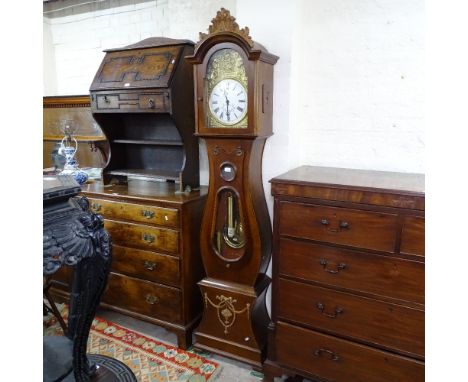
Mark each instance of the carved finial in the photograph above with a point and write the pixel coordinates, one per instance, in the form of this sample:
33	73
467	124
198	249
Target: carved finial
224	22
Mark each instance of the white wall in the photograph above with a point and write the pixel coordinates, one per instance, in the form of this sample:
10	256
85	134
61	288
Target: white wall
348	85
357	84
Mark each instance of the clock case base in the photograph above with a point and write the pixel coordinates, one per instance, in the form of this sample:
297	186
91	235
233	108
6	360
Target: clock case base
235	319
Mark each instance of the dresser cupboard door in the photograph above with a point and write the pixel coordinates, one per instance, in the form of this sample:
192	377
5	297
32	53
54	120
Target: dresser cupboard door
355	228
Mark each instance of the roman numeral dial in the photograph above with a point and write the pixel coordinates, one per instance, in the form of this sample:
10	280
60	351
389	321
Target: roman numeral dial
228	102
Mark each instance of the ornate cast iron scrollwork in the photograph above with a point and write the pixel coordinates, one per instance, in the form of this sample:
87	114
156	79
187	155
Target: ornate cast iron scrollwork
76	237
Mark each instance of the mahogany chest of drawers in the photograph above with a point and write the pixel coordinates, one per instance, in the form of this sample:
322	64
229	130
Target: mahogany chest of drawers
155	248
348	276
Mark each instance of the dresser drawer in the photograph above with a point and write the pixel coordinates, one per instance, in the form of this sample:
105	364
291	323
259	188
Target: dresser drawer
353	270
333	359
143	236
136	212
146	265
376	322
143	297
355	228
413	236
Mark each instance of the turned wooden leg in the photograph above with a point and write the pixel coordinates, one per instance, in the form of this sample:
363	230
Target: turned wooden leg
184	340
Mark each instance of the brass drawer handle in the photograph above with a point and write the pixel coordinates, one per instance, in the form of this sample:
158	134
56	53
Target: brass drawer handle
321	307
149	265
344	224
333	356
147	214
339	267
148	238
106	100
96	207
152	300
324	221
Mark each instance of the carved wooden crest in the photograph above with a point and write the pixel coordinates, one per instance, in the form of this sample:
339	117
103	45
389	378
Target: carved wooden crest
224	22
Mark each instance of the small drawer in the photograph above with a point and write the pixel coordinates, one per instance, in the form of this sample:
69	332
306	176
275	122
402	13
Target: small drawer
157	102
107	101
146	265
154	300
354	228
413	236
136	212
143	236
333	359
392	326
357	271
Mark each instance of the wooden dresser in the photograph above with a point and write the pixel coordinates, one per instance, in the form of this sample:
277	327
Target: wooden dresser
348	276
156	257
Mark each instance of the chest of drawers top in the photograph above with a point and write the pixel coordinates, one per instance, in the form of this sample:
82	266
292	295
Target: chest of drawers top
379	188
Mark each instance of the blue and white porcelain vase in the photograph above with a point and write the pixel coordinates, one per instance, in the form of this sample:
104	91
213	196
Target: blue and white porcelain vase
71	166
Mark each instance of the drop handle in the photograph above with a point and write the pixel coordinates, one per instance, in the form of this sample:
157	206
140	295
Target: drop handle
147	214
152	300
148	238
339	267
149	265
344	224
96	207
325	352
321	308
151	103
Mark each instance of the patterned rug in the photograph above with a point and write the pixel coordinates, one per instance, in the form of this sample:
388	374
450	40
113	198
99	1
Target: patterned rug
149	359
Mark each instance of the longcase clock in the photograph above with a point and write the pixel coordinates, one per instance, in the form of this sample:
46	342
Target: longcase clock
233	99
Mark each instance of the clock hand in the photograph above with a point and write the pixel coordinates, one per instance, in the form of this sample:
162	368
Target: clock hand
227	106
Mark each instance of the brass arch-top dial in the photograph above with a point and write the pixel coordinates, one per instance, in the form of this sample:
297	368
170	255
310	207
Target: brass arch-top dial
228	102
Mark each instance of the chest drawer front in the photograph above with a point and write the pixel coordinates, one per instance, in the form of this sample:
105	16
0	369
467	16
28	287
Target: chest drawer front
143	236
333	359
143	297
136	212
413	236
378	323
375	274
146	265
355	228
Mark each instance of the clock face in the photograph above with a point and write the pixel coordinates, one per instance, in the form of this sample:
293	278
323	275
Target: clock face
228	102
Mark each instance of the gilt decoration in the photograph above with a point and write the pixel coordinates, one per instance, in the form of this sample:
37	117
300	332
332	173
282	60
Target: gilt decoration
224	22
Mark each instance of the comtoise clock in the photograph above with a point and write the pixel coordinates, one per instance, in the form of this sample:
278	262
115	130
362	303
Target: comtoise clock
233	99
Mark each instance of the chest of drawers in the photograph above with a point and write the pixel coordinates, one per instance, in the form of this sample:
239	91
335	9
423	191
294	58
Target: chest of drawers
348	276
156	258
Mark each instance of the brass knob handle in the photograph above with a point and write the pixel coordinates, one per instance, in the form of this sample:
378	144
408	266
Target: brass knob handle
152	300
151	103
147	214
339	267
96	206
333	356
321	308
148	238
149	265
106	100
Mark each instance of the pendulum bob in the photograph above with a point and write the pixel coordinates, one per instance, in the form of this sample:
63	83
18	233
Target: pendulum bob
233	322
